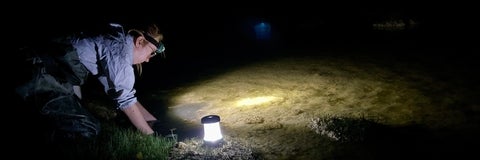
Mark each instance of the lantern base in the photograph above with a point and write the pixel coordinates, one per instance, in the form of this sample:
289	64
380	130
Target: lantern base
214	144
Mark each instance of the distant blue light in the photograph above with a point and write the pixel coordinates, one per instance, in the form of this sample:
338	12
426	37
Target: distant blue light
262	31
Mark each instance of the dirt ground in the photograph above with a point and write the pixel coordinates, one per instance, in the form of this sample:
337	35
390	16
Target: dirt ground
419	106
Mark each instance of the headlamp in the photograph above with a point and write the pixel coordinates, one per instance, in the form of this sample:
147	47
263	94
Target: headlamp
159	45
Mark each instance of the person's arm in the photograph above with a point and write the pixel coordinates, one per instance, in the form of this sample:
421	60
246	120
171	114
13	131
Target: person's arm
139	116
118	78
146	115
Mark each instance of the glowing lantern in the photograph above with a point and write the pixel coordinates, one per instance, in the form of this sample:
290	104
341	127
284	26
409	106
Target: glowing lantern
211	129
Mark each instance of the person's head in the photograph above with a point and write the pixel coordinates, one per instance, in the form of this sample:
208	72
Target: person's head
147	43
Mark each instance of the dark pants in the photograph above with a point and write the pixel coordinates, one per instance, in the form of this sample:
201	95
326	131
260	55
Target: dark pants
50	92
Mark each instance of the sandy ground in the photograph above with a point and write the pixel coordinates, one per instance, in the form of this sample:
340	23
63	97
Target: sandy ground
426	106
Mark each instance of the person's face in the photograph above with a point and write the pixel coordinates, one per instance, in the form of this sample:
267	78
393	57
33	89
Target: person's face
143	51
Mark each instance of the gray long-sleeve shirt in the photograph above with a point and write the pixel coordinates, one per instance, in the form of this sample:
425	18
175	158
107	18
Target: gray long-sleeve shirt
109	56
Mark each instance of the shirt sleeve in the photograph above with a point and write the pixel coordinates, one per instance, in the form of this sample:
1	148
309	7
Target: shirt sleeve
119	86
120	75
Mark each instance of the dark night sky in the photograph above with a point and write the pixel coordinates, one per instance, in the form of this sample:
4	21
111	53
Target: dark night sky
444	21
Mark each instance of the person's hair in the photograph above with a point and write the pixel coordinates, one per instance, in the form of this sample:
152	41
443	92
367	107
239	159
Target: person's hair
147	31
